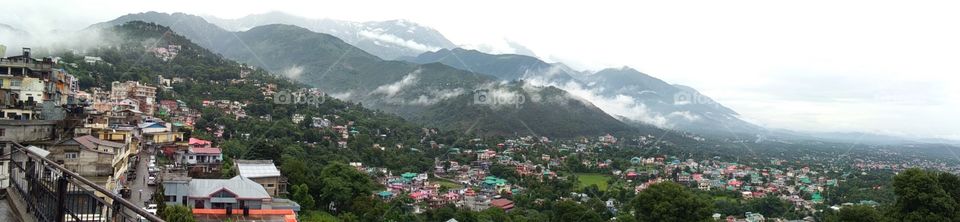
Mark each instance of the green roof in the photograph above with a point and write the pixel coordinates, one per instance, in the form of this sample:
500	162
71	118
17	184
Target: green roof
408	175
816	197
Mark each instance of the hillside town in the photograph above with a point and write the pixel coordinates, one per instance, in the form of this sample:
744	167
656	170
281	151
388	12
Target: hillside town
232	142
130	142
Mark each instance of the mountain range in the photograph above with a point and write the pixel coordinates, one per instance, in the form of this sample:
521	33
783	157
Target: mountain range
419	84
632	96
439	85
432	93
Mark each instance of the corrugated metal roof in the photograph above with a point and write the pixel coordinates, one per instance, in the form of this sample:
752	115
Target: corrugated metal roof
257	168
89	141
238	185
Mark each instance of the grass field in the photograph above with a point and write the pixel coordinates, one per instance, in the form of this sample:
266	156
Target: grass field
586	179
446	183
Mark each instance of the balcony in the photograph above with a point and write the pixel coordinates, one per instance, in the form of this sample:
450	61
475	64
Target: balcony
41	190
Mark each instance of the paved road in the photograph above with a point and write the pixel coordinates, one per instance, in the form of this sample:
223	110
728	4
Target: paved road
139	191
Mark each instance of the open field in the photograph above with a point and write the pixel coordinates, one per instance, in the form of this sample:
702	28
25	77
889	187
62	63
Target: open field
586	179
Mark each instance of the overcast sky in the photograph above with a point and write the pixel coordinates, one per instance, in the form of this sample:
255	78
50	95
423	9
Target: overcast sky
873	66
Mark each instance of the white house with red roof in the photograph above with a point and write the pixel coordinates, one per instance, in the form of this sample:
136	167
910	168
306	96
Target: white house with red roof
201	156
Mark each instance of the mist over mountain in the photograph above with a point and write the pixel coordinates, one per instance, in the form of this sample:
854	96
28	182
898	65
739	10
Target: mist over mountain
423	92
508	67
45	42
385	39
630	95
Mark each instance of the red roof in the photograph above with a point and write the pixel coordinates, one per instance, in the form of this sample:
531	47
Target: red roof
418	195
502	204
470	192
195	141
209	150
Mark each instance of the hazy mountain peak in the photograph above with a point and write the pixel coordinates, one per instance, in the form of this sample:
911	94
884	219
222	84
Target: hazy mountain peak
389	39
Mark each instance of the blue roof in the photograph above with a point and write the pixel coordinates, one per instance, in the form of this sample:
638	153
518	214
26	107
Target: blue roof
152	125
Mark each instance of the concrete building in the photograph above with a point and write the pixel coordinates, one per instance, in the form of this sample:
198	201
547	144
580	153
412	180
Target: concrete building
28	85
23	131
159	133
237	192
144	95
202	160
87	155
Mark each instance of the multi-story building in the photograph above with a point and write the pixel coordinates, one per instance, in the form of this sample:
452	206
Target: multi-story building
265	173
87	155
32	89
144	95
202	159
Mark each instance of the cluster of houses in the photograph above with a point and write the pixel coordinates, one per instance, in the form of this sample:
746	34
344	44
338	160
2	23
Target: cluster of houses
792	184
179	114
100	134
234	108
468	185
166	53
478	193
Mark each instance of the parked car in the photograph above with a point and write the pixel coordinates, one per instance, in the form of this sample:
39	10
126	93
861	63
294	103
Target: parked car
152	208
151	181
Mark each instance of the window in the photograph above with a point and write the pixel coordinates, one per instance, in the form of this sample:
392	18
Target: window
15	82
270	185
71	155
223	194
3	131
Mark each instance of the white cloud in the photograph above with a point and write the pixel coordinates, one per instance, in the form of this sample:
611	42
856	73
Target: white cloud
397	40
435	96
619	105
392	89
293	72
342	95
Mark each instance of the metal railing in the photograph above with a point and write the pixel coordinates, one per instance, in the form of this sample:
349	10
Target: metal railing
54	194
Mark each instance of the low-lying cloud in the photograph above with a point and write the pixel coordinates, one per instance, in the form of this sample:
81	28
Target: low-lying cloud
392	89
392	39
45	42
293	72
620	105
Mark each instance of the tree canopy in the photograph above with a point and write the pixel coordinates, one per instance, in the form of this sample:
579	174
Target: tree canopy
669	201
